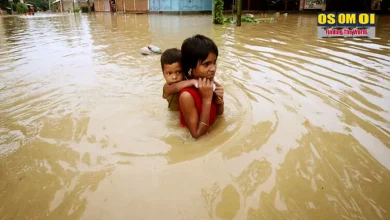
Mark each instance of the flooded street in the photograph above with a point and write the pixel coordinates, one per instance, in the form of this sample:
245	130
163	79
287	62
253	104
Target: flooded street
85	133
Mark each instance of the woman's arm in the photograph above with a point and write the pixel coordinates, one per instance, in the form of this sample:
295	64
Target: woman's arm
198	126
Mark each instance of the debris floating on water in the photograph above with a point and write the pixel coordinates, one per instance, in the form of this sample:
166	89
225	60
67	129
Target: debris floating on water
150	49
250	20
154	49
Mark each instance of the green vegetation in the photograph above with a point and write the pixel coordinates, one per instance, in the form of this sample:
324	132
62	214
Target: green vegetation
21	8
43	5
3	4
84	9
218	12
39	5
77	10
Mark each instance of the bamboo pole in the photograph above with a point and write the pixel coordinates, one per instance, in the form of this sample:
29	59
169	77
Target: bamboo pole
239	6
233	10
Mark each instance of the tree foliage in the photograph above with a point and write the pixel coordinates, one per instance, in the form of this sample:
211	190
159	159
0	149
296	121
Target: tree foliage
38	4
84	9
21	8
218	12
4	4
41	4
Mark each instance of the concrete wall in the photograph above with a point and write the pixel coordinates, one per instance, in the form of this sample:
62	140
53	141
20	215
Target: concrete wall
102	5
180	5
66	5
122	5
135	5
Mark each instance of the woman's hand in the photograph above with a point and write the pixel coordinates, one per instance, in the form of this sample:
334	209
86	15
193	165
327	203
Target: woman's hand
219	94
197	122
205	87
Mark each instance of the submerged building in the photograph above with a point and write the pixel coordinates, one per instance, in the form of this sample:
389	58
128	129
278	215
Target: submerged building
162	6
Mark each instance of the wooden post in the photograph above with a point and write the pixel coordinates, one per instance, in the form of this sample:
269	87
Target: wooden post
285	4
239	6
212	10
249	5
12	7
233	5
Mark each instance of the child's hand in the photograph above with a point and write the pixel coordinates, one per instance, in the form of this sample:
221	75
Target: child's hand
219	91
219	101
196	85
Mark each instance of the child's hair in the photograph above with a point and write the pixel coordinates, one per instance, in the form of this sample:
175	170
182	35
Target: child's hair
195	49
170	56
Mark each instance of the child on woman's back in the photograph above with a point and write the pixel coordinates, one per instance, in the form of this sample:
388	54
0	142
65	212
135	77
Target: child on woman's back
199	107
174	77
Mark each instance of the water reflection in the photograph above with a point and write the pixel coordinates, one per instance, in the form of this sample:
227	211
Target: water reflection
46	180
253	176
209	196
229	205
315	178
14	29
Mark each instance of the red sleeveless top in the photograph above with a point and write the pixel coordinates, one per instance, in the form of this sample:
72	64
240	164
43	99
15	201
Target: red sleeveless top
198	103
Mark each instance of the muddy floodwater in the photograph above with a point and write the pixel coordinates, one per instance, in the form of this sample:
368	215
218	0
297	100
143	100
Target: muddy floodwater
85	133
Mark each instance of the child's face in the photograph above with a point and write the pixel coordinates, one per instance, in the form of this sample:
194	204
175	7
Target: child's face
173	73
207	68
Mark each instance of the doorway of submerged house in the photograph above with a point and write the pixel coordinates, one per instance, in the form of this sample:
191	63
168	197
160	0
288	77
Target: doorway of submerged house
292	5
112	6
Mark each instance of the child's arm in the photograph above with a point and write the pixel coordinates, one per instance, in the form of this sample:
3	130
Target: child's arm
176	87
220	106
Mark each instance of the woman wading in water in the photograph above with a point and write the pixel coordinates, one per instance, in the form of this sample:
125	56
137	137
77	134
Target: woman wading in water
199	107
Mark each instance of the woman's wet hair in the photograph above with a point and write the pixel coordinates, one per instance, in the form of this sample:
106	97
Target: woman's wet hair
195	49
170	56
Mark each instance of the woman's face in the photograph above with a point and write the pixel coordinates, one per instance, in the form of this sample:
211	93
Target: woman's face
207	68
